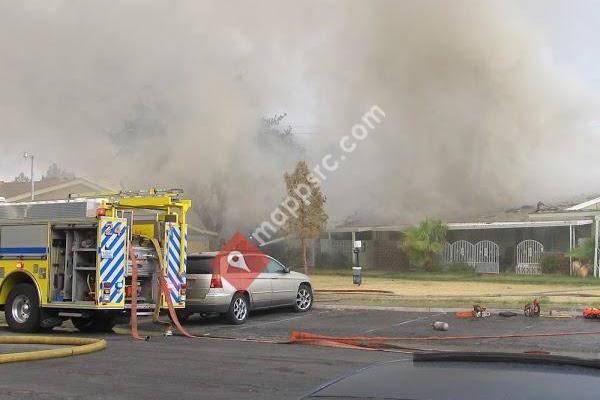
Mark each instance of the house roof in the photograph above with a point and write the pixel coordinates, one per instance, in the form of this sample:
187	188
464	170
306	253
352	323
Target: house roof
516	224
13	189
576	211
367	228
584	205
16	191
512	215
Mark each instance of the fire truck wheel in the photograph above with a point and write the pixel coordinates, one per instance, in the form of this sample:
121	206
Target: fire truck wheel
97	323
22	310
109	324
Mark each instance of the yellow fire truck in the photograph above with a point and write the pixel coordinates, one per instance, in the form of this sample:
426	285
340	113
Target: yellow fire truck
71	259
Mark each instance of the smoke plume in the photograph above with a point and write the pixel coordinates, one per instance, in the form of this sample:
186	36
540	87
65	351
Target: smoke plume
478	114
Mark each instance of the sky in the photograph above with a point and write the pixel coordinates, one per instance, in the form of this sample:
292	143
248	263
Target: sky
570	29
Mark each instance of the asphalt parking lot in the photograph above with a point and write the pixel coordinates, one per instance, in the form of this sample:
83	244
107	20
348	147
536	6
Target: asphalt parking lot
277	326
219	368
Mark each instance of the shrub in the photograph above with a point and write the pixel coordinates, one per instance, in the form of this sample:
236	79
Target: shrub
461	268
550	264
584	252
434	267
555	263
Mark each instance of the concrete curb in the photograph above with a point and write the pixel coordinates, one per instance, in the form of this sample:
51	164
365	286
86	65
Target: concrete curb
572	313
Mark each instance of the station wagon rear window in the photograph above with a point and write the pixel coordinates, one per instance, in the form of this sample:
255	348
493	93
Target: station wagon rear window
199	265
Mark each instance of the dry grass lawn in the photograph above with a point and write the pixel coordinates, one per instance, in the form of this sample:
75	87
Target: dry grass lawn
452	293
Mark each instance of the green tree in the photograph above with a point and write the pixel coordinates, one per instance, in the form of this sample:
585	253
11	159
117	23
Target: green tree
310	217
425	242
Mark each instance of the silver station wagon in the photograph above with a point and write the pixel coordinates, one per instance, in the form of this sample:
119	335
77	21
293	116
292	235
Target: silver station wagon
211	292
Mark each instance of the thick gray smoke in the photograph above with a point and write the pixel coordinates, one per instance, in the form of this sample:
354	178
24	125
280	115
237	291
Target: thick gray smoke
172	93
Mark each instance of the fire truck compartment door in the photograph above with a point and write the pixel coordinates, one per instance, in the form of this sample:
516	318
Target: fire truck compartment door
112	259
175	262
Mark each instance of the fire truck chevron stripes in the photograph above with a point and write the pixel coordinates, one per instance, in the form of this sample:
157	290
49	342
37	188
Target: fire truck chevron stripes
174	277
112	266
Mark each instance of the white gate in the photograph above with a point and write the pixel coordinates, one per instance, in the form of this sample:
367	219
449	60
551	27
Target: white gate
462	252
483	257
529	255
487	257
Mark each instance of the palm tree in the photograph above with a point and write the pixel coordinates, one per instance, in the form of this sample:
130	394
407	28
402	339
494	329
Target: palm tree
425	242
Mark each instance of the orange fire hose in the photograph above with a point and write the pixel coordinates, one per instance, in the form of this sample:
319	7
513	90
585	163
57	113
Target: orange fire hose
164	289
380	341
464	314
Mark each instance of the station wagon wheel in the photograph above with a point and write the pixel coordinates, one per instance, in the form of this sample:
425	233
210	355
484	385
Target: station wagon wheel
238	310
22	310
304	298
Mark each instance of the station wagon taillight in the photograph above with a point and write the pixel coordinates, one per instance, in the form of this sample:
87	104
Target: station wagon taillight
215	281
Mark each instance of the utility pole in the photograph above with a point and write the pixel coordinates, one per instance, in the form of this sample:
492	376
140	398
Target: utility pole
596	246
30	155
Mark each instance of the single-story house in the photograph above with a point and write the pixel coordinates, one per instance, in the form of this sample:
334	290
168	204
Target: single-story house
515	240
199	238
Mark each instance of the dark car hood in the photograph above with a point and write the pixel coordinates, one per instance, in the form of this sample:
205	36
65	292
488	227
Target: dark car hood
404	379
